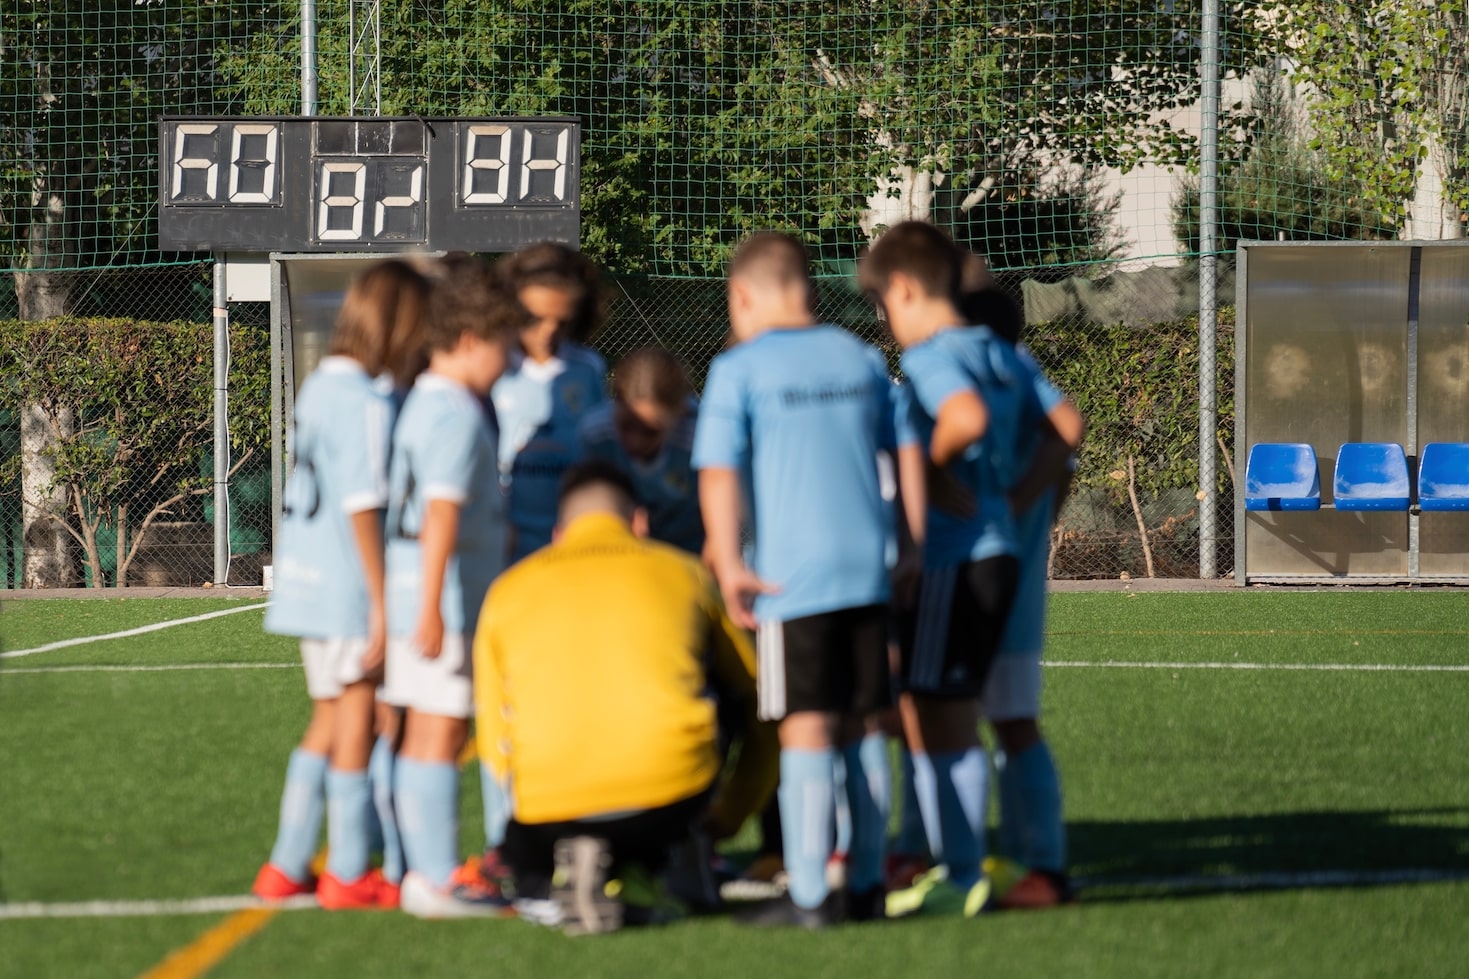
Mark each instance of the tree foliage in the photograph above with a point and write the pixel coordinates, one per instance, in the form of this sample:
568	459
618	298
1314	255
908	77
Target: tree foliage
132	406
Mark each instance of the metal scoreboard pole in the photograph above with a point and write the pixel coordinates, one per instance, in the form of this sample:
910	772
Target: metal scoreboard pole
221	423
1208	294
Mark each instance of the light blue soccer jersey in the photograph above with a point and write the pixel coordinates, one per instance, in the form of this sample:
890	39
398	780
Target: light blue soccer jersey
665	484
339	455
444	449
539	407
801	414
1025	629
954	360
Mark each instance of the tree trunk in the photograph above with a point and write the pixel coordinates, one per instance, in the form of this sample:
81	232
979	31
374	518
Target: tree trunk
49	562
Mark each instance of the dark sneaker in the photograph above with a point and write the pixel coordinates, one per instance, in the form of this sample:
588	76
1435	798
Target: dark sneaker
579	887
690	875
782	912
868	905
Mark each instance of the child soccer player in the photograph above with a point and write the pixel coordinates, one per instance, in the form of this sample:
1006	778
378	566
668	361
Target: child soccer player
551	382
330	585
789	430
967	408
445	547
1031	828
647	431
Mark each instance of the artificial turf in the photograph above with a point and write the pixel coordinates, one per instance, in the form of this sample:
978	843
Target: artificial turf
165	785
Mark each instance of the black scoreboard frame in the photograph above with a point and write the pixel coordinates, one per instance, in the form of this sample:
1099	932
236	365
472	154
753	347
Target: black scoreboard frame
367	183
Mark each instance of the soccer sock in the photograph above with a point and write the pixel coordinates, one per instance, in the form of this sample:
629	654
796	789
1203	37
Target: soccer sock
960	778
302	802
426	795
1012	811
348	809
912	840
380	771
807	811
869	793
843	842
1031	776
926	795
497	806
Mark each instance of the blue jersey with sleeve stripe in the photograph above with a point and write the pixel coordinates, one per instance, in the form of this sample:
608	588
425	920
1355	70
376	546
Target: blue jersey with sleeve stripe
801	415
1025	629
951	361
339	455
444	449
665	484
538	406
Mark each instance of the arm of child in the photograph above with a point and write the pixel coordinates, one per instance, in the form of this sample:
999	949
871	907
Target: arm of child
1061	431
962	420
440	530
719	503
367	534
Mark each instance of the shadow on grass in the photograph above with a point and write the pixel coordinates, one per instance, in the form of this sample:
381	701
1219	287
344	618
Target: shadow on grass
1144	860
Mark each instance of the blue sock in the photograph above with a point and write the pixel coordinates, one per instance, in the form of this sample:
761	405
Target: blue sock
380	771
1012	814
912	839
926	794
497	806
1039	832
302	803
960	778
807	812
426	798
348	805
843	842
869	791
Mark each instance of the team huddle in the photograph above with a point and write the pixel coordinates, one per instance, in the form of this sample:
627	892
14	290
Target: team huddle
664	613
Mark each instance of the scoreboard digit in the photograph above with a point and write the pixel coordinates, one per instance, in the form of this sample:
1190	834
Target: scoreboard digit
343	184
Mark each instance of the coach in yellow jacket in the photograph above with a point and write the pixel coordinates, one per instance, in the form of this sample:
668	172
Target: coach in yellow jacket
593	669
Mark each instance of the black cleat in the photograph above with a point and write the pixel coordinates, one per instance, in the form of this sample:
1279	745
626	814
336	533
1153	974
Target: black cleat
782	912
868	905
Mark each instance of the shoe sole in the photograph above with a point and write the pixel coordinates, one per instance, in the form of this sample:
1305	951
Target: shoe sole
419	899
582	867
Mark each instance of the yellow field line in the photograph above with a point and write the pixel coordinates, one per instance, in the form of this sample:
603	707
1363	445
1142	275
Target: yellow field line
210	948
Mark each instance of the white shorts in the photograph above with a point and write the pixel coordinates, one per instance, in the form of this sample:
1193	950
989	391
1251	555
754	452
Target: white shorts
332	665
443	686
1012	692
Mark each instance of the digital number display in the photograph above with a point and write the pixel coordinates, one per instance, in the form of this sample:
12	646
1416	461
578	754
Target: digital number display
381	183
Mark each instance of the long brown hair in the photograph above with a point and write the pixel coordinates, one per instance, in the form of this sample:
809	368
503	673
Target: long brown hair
566	270
381	321
652	374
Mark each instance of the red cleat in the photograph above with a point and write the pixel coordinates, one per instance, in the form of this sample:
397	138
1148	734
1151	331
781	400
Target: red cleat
272	884
368	891
902	870
1036	890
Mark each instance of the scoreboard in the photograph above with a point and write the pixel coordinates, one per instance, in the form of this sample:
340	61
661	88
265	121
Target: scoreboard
341	184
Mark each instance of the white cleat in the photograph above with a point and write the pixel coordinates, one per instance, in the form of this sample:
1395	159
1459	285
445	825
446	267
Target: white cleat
461	899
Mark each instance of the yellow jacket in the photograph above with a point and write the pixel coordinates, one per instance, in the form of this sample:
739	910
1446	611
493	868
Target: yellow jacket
591	680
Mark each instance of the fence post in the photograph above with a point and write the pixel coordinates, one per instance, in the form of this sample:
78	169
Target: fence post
1208	292
308	57
221	424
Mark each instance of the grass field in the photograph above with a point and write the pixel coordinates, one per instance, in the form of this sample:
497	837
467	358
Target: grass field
1216	809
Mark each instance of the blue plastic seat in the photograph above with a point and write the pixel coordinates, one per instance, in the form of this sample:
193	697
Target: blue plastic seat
1371	476
1282	476
1443	476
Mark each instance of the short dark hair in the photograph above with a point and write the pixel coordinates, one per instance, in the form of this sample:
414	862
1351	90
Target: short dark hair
597	472
993	307
916	249
564	269
772	255
470	296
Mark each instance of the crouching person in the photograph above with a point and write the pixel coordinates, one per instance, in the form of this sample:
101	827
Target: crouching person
594	662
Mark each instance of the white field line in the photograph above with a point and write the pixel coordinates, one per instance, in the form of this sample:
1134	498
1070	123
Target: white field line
160	668
1181	882
1326	667
139	631
148	909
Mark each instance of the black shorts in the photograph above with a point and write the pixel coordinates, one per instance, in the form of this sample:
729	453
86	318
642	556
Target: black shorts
950	638
834	662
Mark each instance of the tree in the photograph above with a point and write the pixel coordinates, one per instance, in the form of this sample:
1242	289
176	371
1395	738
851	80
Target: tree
132	405
1390	102
704	119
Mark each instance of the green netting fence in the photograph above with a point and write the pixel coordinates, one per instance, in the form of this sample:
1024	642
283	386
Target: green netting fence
1061	139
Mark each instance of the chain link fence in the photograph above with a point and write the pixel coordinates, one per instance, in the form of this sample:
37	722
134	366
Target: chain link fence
1061	139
